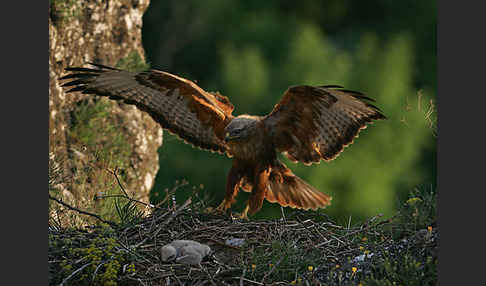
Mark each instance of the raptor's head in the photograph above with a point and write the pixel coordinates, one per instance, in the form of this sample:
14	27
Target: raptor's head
240	127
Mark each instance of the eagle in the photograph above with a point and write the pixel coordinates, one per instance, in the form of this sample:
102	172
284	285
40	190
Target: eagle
307	125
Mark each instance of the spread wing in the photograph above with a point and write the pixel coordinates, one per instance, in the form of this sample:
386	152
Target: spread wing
311	123
177	104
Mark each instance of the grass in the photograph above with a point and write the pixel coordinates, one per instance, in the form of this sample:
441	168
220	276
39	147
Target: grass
97	147
302	248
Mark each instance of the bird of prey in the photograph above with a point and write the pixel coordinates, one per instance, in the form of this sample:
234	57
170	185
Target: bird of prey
309	124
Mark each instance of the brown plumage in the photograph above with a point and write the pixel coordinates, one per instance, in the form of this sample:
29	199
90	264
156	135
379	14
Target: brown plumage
309	124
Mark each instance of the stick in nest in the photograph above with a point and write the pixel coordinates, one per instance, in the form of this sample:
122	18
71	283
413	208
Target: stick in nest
74	273
81	211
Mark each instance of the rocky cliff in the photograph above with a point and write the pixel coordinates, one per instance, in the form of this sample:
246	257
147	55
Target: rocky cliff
88	136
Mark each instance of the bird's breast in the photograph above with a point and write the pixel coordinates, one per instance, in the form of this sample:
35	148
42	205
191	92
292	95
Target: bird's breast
246	151
252	150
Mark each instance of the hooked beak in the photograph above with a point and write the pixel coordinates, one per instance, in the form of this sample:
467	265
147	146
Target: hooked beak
228	137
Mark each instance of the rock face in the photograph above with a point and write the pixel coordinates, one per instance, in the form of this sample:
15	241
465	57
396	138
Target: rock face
89	135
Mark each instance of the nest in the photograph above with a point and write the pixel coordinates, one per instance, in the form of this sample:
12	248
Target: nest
300	247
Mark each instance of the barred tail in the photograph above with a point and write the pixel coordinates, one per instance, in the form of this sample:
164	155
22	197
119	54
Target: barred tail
288	190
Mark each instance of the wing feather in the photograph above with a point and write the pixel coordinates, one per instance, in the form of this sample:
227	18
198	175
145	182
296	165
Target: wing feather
313	123
177	104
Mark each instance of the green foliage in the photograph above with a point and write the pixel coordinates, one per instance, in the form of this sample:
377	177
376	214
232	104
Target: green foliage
90	128
403	270
128	211
64	10
246	66
367	176
418	212
92	132
286	260
132	62
96	147
413	262
99	257
262	48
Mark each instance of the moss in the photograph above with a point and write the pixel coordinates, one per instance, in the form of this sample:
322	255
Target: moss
103	254
92	130
132	62
97	146
64	10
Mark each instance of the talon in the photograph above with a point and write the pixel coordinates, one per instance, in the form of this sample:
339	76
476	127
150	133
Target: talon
209	210
244	214
221	208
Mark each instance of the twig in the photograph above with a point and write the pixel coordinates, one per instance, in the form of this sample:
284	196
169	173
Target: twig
306	228
168	194
181	208
125	192
248	280
81	211
242	276
96	270
141	282
278	262
119	183
163	225
128	198
283	214
177	278
273	268
208	274
74	273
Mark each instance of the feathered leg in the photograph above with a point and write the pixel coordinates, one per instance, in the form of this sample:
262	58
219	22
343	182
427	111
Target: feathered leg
232	188
257	195
244	214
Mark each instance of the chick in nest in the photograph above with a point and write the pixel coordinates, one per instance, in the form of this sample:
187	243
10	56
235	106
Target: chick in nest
184	251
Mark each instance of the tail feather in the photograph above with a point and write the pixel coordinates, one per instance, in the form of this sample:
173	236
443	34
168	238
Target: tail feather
288	190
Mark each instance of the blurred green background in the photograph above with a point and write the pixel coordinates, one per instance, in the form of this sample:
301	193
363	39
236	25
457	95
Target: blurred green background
251	51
